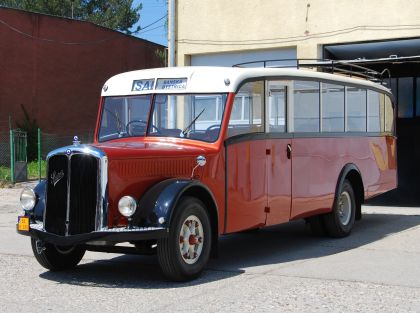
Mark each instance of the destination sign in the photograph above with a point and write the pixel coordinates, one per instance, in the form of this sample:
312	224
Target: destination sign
171	83
143	84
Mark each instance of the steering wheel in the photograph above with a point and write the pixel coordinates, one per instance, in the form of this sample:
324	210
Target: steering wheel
211	136
211	127
129	131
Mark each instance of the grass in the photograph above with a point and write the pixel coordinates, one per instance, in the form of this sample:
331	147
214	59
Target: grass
4	173
32	168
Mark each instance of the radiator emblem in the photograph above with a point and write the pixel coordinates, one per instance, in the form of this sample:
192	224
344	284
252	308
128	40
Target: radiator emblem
56	177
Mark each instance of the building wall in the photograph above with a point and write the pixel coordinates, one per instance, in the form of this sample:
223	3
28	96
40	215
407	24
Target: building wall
217	29
56	68
210	26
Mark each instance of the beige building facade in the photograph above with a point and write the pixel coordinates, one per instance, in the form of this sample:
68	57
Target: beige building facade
382	34
293	28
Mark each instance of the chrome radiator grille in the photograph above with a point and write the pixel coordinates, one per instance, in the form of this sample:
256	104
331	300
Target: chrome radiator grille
72	194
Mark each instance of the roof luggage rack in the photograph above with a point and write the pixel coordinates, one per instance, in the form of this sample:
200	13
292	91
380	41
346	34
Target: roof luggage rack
347	67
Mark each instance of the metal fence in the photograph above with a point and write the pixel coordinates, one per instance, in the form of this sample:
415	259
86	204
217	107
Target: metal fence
45	143
4	149
50	142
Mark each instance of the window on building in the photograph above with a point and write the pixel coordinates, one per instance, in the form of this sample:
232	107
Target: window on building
211	107
306	106
332	108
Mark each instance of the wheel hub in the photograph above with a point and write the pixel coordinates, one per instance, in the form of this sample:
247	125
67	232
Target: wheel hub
344	208
191	239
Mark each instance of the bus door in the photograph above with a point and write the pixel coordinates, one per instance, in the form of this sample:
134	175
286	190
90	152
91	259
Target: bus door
246	170
278	154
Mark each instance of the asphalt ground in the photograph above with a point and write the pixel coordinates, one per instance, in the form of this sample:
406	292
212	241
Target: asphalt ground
277	269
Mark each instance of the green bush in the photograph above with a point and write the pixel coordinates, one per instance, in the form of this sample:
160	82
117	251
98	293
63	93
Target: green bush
5	173
33	169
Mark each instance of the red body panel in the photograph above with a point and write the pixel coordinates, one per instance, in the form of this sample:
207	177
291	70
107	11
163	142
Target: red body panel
317	163
264	186
135	166
279	171
247	185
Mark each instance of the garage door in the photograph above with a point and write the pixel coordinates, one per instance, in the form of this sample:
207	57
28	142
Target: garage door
229	59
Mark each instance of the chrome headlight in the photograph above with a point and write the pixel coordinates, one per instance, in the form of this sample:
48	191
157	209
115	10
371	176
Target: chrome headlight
127	206
27	199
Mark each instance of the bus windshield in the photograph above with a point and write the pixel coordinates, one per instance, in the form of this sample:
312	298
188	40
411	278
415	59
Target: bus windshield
193	116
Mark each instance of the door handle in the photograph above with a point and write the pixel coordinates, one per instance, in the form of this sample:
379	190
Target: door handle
289	150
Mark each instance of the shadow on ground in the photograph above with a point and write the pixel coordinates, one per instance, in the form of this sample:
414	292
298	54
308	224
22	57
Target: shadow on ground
401	197
279	246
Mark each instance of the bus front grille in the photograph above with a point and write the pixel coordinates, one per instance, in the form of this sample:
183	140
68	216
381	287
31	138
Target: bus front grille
72	194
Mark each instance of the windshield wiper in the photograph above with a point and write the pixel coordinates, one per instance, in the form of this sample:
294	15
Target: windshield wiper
117	118
187	130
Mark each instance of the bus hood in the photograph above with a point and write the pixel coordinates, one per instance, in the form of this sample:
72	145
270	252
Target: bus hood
130	150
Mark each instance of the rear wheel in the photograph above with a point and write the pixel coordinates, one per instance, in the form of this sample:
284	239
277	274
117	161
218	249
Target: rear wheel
56	258
185	252
339	222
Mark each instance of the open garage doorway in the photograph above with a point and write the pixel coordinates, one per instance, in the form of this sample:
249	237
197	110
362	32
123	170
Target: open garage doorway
402	59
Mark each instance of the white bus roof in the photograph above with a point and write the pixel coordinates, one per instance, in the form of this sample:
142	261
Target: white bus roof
203	79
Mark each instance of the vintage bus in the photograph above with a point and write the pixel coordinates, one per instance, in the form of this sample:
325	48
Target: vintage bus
184	155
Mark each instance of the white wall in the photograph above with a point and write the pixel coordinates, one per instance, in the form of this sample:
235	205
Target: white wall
231	58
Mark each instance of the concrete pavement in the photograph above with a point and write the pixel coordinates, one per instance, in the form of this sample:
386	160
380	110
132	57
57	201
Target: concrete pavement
278	269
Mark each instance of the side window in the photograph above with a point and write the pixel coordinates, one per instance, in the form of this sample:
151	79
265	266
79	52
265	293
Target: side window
306	106
277	99
389	115
356	109
373	111
332	108
247	111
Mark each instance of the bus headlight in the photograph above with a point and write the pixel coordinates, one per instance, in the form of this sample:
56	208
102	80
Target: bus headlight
127	206
27	199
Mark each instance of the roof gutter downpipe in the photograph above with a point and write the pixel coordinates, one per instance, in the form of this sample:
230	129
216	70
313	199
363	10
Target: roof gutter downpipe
171	26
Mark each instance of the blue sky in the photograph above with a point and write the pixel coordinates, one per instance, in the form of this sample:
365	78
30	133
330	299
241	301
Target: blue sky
152	11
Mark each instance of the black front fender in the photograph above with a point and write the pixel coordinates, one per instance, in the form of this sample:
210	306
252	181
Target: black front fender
38	211
156	206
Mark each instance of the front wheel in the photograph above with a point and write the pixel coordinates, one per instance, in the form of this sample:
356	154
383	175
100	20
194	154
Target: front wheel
185	252
56	258
339	222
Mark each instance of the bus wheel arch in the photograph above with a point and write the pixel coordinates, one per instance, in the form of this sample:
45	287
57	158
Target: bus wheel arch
352	173
348	197
354	177
204	195
161	200
340	221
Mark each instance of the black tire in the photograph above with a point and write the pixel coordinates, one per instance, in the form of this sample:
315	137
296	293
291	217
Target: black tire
316	223
339	224
173	264
56	259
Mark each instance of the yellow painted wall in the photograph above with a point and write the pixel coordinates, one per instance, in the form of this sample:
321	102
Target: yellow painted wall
210	26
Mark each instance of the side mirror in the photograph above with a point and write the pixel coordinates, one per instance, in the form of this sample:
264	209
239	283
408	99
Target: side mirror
201	161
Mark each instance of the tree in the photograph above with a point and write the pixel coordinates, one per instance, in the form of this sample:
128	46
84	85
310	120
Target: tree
120	15
30	126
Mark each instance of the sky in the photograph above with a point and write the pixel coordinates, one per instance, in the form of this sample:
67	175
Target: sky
152	11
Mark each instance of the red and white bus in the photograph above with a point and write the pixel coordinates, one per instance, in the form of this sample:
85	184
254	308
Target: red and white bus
184	155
